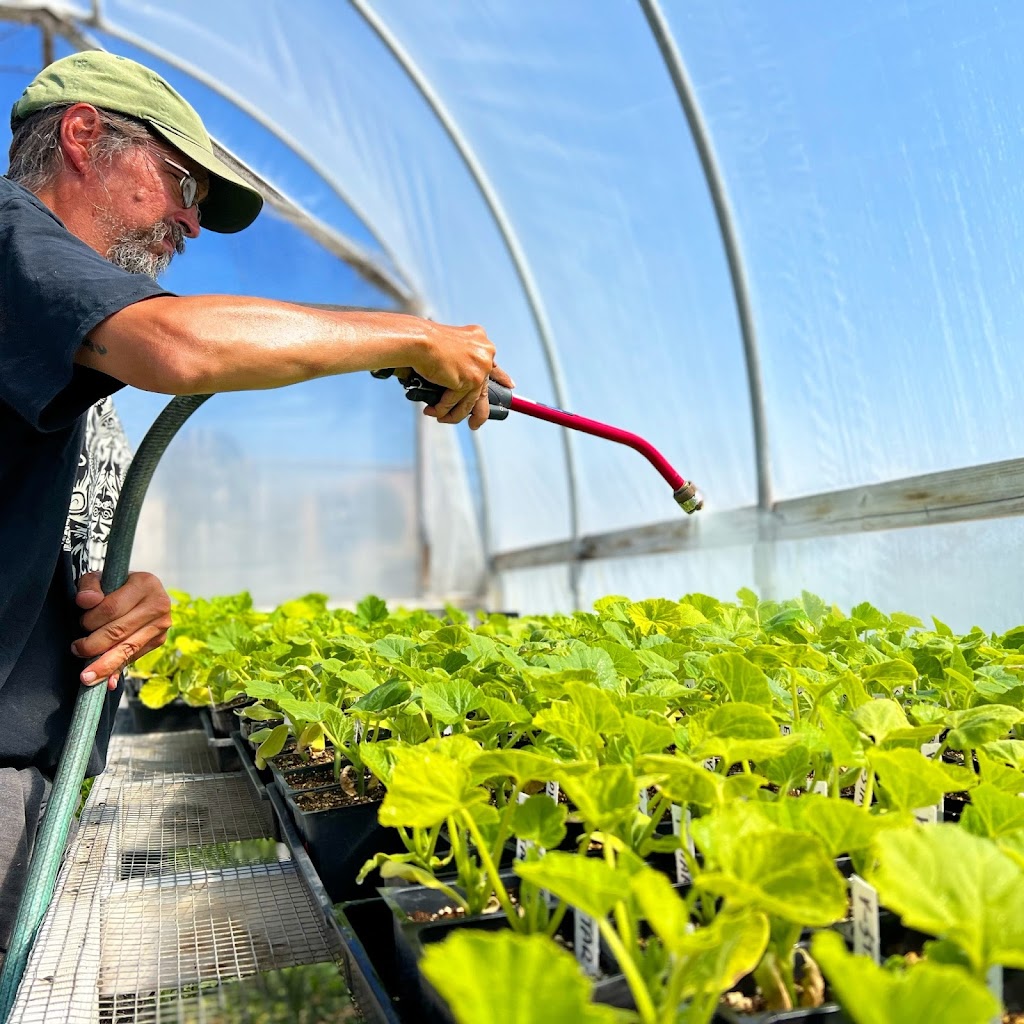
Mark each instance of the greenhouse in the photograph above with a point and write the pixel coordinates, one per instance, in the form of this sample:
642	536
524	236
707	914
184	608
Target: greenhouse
690	688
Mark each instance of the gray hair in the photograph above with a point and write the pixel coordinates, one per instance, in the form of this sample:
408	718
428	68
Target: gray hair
36	156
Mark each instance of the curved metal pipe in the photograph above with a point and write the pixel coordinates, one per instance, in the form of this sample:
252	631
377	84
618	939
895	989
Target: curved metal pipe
67	787
515	251
730	239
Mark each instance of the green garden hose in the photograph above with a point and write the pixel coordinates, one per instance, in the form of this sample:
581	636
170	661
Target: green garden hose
53	831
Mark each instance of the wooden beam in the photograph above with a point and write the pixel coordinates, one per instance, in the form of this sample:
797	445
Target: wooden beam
959	495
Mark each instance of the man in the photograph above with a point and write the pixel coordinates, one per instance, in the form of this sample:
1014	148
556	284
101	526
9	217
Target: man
111	171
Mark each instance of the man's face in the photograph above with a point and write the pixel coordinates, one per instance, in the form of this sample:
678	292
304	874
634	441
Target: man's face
141	209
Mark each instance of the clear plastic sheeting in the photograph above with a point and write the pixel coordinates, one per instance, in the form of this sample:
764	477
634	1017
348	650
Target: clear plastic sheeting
528	166
872	153
250	498
966	574
453	545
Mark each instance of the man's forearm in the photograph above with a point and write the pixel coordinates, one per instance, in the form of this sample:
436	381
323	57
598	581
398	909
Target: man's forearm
212	343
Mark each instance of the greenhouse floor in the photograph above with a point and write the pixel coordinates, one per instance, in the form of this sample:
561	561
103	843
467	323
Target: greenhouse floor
176	902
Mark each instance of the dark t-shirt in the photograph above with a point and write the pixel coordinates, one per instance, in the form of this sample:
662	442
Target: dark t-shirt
54	289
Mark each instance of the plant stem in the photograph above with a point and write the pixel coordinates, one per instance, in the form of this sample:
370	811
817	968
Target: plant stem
661	804
644	1004
491	871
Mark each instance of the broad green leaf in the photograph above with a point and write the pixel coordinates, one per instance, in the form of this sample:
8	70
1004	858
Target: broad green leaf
660	616
684	781
908	780
993	813
926	991
521	765
258	713
158	692
626	663
582	722
505	711
263	690
786	875
591	885
948	883
738	720
448	701
378	759
717	956
1009	780
646	735
540	820
977	726
605	798
841	825
1008	752
394	648
743	681
661	907
867	616
890	674
597	709
844	741
372	609
585	660
878	718
790	770
312	737
359	679
272	745
387	695
425	788
505	978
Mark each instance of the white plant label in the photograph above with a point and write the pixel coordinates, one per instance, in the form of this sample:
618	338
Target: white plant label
642	803
785	729
936	813
711	764
586	943
864	903
551	788
860	787
357	731
820	787
681	827
522	845
446	731
994	980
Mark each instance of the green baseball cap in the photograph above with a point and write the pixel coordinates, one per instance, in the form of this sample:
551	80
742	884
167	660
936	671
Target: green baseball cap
121	85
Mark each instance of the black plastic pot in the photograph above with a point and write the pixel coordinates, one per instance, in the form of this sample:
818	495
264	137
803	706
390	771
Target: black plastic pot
829	1012
223	717
340	840
305	779
421	999
174	717
247	726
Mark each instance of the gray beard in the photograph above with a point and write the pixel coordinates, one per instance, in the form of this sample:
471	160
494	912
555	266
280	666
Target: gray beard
132	249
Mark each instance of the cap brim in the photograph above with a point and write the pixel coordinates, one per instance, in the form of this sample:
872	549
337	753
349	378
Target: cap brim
231	204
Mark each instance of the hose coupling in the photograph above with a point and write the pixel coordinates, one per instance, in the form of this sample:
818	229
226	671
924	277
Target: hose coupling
689	498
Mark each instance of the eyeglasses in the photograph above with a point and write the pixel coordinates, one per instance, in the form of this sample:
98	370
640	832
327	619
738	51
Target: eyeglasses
188	185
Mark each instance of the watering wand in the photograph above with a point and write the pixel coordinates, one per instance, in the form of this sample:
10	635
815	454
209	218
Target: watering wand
503	401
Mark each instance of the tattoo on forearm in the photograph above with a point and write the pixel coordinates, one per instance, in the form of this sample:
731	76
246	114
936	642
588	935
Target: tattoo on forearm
95	346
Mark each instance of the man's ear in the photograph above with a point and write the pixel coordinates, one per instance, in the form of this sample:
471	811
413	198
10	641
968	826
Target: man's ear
80	128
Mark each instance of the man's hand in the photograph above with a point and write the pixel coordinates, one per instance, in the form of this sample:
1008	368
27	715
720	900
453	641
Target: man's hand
461	359
122	626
